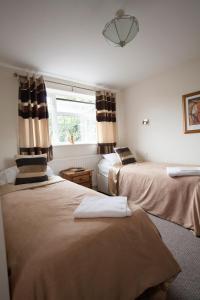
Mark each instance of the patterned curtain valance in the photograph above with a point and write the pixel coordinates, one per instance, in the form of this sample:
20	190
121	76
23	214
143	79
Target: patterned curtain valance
33	117
106	121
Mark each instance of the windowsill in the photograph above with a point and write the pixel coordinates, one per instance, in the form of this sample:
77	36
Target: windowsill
77	144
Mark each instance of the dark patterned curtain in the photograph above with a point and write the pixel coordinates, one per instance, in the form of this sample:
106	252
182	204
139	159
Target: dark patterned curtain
33	117
106	121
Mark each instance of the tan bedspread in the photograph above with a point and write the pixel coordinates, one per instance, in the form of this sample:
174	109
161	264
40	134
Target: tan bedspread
51	256
148	185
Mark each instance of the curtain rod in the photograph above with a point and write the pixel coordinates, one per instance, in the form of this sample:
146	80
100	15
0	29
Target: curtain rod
70	85
50	81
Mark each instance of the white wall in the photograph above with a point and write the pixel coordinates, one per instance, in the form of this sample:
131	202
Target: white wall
160	99
8	117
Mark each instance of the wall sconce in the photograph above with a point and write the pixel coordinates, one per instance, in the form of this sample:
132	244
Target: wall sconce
145	122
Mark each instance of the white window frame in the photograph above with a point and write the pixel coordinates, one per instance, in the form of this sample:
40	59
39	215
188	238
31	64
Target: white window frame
55	113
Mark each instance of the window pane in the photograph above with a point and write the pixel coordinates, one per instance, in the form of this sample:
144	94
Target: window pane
85	116
68	129
72	107
72	121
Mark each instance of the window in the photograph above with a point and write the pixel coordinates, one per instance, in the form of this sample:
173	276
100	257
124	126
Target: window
72	117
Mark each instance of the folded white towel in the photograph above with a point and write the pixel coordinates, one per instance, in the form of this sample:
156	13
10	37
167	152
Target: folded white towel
183	171
100	207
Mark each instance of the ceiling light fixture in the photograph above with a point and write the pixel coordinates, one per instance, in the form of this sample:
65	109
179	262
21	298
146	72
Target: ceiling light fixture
121	30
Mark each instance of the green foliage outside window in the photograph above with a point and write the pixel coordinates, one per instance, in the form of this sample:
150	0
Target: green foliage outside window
69	129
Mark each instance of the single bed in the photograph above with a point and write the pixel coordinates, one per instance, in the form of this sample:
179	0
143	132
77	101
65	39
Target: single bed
51	256
148	185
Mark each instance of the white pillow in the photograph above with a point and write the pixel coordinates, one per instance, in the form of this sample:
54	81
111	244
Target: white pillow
112	157
9	175
49	171
2	178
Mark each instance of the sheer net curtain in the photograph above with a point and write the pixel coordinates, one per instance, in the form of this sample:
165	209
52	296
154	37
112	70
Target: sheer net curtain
33	117
106	121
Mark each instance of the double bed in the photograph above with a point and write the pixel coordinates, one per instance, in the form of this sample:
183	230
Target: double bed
148	185
53	256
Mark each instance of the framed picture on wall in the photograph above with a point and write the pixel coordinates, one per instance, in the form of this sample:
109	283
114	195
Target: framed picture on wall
191	112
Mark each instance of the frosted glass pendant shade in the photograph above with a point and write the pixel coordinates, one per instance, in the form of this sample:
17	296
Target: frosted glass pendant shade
121	30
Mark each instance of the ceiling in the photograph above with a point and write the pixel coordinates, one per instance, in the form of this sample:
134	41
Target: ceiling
64	38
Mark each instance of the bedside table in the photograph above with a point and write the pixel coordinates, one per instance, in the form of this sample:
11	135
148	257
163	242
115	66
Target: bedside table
82	177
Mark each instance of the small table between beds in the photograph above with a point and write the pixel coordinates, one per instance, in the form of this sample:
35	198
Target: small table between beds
78	175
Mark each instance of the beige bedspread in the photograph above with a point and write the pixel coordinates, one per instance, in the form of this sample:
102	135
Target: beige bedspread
51	256
148	185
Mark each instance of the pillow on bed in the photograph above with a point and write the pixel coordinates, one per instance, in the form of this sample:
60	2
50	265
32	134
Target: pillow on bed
32	168
112	157
49	171
8	175
2	178
125	155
